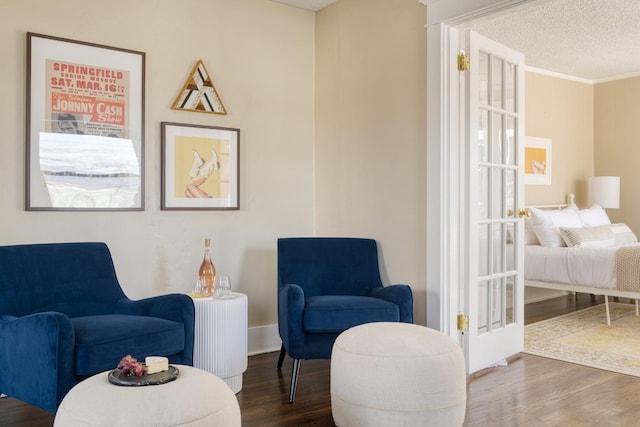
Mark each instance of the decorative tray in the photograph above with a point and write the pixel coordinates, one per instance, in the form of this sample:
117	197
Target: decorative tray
118	378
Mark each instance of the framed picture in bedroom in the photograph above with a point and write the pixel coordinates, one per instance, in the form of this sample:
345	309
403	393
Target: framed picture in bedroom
200	167
85	126
537	161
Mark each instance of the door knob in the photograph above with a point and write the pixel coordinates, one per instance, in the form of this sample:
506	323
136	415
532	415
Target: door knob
524	212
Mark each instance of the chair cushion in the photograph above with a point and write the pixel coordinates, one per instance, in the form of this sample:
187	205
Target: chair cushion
101	341
336	313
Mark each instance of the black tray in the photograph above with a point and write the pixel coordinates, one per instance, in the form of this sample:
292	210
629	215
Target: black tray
118	378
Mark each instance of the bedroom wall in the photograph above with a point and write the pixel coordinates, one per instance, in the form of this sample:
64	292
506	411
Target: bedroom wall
616	146
261	56
371	132
561	110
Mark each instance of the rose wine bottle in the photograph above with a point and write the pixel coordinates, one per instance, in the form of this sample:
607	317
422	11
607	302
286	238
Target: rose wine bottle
207	272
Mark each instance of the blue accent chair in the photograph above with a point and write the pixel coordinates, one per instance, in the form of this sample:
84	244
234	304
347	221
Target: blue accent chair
64	317
326	286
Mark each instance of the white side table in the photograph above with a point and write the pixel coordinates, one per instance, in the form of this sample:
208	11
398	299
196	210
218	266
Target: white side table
220	344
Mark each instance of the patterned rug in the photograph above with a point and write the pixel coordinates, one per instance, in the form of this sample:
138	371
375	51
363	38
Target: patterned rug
583	337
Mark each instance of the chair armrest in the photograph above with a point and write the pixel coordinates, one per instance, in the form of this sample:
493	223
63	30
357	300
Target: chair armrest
176	307
400	295
290	308
37	358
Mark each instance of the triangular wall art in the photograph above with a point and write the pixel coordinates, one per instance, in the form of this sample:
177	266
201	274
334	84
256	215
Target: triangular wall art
199	93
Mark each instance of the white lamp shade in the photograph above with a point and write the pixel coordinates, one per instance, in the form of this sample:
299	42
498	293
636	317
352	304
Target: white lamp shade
604	191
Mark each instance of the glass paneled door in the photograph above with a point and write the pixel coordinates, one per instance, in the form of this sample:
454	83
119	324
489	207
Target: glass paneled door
494	130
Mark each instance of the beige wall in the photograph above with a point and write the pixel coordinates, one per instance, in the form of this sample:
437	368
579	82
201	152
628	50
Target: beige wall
332	134
617	150
261	56
370	146
561	110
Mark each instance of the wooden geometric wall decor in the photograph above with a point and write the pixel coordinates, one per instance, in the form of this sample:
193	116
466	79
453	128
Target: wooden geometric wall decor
199	94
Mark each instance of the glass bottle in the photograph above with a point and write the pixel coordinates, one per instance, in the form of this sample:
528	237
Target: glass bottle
207	272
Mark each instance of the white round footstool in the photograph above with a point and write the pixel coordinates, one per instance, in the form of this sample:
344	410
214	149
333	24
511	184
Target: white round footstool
397	374
195	398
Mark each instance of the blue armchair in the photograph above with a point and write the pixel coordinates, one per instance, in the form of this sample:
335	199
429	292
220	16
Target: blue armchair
63	317
326	286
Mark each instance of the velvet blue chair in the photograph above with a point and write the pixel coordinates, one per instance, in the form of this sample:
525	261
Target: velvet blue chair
64	317
326	286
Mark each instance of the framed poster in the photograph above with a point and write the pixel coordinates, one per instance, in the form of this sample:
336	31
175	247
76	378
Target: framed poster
200	167
85	126
537	161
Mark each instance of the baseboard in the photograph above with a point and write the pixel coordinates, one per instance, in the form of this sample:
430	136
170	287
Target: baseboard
263	339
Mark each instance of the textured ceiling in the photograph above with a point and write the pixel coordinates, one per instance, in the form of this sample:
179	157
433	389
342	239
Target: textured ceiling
590	39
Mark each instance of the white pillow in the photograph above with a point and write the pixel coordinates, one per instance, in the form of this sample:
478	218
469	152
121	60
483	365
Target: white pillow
622	234
546	224
593	216
600	236
530	237
588	237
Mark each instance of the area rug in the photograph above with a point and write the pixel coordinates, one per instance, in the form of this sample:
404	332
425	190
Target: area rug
583	337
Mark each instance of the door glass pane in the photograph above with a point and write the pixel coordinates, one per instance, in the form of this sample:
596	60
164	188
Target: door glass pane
483	192
483	135
484	247
511	302
497	243
496	303
484	78
496	83
496	138
510	143
510	87
483	306
510	252
510	192
497	207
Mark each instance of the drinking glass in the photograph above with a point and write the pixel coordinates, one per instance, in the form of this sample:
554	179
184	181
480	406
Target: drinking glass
223	286
198	289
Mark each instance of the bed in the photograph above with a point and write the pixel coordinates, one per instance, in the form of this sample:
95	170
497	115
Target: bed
580	250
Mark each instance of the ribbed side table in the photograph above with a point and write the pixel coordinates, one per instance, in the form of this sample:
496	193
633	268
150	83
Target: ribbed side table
221	329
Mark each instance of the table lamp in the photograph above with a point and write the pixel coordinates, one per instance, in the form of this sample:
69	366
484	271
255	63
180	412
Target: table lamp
604	191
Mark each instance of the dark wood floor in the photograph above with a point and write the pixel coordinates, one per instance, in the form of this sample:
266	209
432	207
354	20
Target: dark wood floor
530	391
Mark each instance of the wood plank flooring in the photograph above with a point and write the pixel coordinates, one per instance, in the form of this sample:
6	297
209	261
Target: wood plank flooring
530	391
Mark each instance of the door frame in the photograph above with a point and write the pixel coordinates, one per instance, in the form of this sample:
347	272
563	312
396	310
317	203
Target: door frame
445	213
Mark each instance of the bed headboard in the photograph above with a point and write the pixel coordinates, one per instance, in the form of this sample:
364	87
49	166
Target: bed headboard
571	199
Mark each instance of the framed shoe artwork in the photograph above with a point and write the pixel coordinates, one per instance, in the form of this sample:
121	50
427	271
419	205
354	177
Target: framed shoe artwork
200	167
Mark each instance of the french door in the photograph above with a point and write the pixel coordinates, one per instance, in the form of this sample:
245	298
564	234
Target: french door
492	122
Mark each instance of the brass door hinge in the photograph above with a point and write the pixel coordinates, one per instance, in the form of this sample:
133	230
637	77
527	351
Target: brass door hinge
463	61
463	322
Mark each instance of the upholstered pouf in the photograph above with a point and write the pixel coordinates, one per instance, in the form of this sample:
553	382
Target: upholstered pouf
195	398
397	374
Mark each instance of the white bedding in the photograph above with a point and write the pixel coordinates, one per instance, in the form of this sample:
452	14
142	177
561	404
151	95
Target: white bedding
584	266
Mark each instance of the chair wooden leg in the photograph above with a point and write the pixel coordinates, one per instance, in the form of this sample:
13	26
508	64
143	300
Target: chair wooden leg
294	379
283	352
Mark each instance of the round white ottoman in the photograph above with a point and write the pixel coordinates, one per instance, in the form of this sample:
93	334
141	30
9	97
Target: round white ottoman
195	398
397	374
